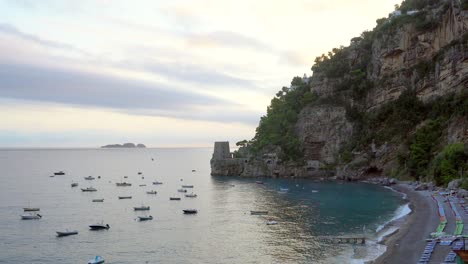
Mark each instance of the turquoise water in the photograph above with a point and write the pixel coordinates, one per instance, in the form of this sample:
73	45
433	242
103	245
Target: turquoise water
222	232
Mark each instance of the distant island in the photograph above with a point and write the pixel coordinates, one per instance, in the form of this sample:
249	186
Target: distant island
125	145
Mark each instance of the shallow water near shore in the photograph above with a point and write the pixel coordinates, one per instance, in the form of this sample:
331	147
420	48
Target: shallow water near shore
223	231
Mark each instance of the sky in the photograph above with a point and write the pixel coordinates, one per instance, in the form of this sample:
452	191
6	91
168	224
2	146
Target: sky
173	73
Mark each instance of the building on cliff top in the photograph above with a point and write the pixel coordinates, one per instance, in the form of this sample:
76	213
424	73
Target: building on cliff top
221	150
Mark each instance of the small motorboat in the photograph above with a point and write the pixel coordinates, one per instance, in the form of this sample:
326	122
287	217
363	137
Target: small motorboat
31	216
59	173
74	184
142	185
99	177
174	198
191	195
140	173
125	177
190	211
258	182
193	170
96	260
123	184
187	186
98	200
141	208
258	212
52	176
125	197
145	218
66	233
31	209
181	190
271	222
152	192
100	226
283	190
89	178
89	189
157	182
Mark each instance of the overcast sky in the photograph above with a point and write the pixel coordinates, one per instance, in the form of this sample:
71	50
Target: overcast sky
164	73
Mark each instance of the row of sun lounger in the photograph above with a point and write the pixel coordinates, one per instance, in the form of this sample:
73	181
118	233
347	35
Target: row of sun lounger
426	256
450	258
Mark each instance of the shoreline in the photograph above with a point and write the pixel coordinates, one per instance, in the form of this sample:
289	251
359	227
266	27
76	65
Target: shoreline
404	244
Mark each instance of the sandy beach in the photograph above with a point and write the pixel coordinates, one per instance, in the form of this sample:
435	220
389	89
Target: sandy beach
407	244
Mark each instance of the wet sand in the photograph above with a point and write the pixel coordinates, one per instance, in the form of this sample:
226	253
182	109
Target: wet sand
407	244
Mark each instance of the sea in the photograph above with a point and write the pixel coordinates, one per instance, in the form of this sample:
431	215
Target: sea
223	230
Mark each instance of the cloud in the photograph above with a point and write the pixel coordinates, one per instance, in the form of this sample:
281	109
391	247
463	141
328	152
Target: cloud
227	38
42	84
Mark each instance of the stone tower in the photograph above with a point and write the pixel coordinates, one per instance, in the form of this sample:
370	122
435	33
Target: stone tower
221	150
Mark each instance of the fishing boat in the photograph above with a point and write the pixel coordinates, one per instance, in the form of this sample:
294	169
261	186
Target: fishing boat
187	186
100	226
98	200
66	233
141	208
123	184
190	211
89	178
193	170
59	173
74	184
157	182
125	197
191	195
31	216
31	209
174	198
142	185
258	212
89	189
96	260
152	192
125	177
140	173
181	190
145	218
271	222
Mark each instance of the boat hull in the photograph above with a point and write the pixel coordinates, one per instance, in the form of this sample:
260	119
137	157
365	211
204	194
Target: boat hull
62	234
190	211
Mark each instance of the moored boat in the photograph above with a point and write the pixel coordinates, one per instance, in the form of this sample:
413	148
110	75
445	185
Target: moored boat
181	190
125	197
190	211
191	195
98	200
98	226
31	216
152	192
258	212
258	182
66	233
74	184
174	198
145	218
59	173
284	189
96	260
271	222
89	178
187	186
89	189
141	208
123	184
157	182
140	173
142	185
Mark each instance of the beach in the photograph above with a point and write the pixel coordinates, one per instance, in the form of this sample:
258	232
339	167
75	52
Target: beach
407	244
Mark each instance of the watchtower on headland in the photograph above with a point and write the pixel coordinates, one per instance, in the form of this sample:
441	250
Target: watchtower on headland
221	150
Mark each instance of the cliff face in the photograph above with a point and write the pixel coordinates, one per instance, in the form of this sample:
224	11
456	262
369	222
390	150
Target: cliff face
353	128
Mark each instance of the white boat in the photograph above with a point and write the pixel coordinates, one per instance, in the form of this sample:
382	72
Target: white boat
141	208
66	233
152	192
96	260
89	189
191	195
187	186
89	178
284	189
98	200
145	218
31	216
74	184
59	173
271	222
157	182
181	190
99	226
123	184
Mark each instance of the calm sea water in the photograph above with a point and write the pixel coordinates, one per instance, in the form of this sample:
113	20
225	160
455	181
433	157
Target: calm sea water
223	231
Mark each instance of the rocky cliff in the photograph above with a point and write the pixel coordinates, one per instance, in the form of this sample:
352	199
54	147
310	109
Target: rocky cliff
366	107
